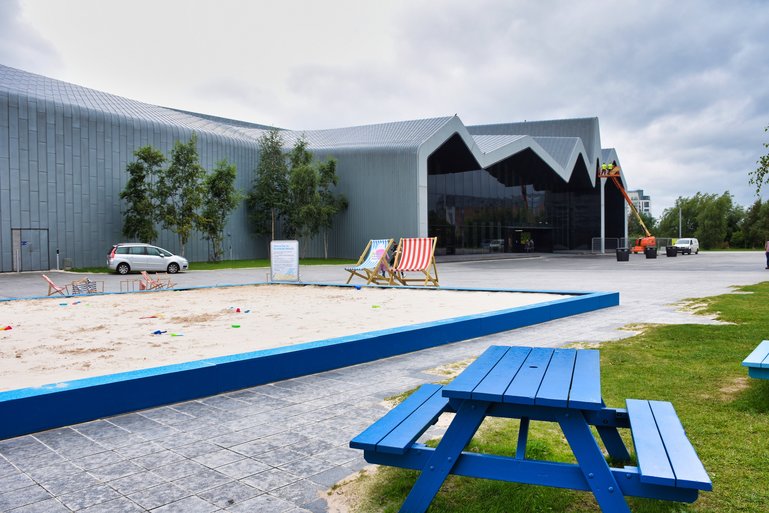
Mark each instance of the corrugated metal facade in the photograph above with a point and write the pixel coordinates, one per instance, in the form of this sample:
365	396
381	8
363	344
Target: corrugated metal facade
64	150
62	168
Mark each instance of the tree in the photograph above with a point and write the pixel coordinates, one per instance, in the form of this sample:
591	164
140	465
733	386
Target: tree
754	225
712	220
634	228
221	197
761	174
313	203
268	198
180	190
330	204
688	209
304	200
141	212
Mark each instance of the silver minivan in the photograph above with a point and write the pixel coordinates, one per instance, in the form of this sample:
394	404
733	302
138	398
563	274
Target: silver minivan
134	256
687	246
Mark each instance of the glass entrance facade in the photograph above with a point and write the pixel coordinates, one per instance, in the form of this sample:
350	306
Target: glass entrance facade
516	205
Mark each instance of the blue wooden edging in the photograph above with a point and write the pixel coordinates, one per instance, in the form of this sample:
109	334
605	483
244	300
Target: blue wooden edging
29	410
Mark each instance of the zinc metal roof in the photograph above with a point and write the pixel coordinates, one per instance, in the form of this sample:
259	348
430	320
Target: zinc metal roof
489	143
557	142
398	134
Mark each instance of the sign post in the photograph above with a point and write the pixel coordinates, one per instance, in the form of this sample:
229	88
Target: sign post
284	261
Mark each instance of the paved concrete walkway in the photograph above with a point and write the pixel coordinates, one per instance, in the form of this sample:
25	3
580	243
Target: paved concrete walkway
280	447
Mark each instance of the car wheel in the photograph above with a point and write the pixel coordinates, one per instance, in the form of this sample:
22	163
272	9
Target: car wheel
173	268
123	268
697	252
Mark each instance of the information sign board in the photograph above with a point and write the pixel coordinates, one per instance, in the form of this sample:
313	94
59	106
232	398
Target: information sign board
284	260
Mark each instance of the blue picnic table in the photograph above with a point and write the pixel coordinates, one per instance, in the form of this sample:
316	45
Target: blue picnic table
757	361
541	384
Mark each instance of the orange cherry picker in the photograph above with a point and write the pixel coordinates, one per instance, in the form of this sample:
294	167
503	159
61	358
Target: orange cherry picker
613	172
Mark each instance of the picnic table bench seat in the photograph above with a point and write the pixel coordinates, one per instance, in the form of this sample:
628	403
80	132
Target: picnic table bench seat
397	431
757	362
665	455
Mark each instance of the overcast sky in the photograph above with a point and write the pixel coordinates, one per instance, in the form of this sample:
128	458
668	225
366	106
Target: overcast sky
681	88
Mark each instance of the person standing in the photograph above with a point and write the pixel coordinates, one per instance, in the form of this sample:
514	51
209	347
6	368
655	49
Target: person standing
766	249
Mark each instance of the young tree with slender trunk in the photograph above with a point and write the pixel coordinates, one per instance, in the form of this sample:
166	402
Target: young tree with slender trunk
221	198
141	209
268	198
180	191
330	204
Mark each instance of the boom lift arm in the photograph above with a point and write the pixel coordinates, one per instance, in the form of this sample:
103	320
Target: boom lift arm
611	171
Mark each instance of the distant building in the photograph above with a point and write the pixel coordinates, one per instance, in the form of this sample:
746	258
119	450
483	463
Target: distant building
641	201
504	187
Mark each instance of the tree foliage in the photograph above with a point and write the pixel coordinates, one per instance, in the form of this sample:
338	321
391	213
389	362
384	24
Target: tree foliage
220	198
760	175
180	191
303	192
753	228
713	219
330	204
141	212
634	228
268	198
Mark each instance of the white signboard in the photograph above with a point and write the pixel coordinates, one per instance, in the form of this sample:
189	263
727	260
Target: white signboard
284	260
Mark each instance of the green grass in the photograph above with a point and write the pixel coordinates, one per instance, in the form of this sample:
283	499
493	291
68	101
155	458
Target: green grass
696	367
234	264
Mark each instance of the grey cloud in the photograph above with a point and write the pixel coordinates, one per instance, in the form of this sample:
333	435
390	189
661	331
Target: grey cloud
21	45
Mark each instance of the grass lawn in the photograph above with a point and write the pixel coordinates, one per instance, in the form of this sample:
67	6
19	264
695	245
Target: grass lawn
696	367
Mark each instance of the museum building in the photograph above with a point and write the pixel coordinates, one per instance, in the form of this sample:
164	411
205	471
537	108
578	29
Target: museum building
508	187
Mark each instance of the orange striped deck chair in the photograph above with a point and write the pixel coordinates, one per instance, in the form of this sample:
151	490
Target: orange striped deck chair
415	255
150	283
372	265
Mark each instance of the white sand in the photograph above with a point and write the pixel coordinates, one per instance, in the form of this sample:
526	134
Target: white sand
55	340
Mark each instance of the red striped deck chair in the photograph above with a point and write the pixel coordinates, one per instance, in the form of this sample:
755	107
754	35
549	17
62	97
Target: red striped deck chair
373	265
415	255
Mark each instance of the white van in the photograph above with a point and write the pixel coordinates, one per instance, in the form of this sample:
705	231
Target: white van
687	246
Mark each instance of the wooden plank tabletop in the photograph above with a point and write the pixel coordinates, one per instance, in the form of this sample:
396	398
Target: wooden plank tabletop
565	378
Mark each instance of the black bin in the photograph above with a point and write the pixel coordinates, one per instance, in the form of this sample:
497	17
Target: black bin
670	251
623	254
650	252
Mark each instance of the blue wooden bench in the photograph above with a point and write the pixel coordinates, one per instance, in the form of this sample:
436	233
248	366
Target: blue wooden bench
668	466
396	432
757	362
665	455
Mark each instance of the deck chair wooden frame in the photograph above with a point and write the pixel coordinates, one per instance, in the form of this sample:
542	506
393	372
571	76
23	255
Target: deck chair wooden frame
150	283
55	289
85	286
373	265
415	254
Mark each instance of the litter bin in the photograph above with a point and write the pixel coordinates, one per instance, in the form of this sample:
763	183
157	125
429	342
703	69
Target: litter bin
670	251
623	255
650	252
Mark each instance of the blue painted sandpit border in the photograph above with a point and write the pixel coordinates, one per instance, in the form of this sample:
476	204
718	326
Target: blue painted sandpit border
29	410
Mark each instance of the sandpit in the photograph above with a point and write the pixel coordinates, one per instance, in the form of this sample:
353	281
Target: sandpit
61	339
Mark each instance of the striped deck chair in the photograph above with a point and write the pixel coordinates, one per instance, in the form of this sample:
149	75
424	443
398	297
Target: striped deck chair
372	265
55	289
415	255
157	283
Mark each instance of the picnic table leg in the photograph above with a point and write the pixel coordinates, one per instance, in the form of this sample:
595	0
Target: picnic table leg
461	430
613	443
592	463
523	437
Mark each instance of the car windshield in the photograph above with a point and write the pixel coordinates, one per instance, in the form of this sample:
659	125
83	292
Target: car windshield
683	241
